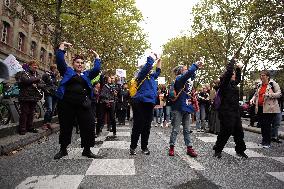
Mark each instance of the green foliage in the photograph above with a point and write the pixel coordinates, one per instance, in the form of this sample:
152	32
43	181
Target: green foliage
108	26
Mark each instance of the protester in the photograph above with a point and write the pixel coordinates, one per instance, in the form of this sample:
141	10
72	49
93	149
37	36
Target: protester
122	103
107	107
74	93
182	106
266	105
143	103
28	83
50	80
203	101
229	111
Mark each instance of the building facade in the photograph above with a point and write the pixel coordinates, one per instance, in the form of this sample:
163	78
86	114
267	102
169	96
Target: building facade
24	37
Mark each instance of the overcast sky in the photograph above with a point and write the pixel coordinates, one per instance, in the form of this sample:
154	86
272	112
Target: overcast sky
165	19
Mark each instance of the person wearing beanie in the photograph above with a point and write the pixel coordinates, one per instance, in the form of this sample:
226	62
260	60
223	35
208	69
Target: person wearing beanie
182	106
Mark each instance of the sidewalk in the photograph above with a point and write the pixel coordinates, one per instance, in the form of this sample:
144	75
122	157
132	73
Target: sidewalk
10	140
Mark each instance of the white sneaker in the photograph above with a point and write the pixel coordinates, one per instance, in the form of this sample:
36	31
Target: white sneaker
266	146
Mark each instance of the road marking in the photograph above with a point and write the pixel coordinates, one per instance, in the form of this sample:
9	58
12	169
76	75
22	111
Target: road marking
250	153
52	182
193	163
116	144
112	167
278	175
208	139
76	153
280	159
122	128
122	134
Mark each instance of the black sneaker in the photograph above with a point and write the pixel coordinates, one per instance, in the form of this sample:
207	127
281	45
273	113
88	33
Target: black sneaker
132	152
242	154
146	151
218	154
61	154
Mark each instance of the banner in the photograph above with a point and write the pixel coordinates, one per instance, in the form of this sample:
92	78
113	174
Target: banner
13	65
120	72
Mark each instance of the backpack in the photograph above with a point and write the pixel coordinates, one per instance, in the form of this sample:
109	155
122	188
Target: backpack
134	86
217	100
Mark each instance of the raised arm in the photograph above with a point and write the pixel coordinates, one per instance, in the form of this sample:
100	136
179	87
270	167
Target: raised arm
97	65
59	57
158	69
146	68
226	77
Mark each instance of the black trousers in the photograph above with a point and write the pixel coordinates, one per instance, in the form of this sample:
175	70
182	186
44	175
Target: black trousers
230	124
27	109
142	118
68	114
103	110
121	115
265	121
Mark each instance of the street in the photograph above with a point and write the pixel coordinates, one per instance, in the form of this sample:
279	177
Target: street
34	167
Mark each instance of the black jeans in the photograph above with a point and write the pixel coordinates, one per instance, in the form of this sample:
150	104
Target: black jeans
142	118
103	110
230	124
27	109
68	114
265	121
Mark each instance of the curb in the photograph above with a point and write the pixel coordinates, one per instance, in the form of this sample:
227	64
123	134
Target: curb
258	130
13	141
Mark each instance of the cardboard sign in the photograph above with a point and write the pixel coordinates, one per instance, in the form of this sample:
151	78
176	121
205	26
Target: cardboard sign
13	65
161	80
120	72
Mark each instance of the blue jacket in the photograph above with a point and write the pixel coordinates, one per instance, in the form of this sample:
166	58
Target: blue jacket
67	73
148	91
184	103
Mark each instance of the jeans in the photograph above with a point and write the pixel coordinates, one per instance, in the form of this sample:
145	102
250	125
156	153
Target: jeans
159	115
265	120
198	124
178	119
276	125
50	103
167	113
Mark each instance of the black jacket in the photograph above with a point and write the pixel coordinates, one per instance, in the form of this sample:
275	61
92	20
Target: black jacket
229	90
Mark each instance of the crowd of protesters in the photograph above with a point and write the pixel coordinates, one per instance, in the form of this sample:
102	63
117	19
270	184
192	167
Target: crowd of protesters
90	99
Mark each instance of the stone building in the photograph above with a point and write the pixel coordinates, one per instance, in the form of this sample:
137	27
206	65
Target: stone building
23	37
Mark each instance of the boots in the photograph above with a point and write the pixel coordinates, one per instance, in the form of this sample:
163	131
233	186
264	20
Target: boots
172	150
191	152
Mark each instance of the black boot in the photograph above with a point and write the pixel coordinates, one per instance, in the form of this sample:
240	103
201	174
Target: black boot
88	153
61	153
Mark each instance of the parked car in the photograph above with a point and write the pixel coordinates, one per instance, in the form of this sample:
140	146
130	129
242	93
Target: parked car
244	108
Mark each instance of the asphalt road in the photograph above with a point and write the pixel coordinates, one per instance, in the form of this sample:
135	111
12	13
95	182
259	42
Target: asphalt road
33	166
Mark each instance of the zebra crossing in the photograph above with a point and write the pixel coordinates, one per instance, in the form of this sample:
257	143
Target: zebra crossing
124	164
250	151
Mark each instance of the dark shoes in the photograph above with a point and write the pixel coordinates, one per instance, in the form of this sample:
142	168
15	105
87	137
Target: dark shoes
242	154
90	154
277	140
218	154
146	151
61	154
132	151
32	130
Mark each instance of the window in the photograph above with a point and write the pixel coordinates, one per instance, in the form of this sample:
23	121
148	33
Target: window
21	41
50	58
5	32
33	49
7	3
42	54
